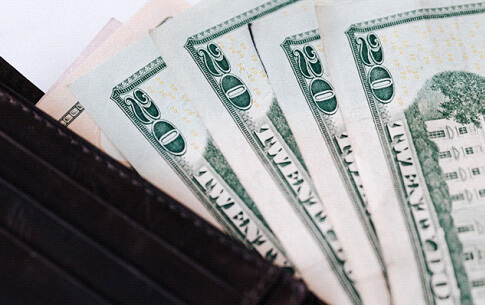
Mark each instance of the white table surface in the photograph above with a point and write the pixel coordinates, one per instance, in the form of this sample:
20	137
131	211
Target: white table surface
41	38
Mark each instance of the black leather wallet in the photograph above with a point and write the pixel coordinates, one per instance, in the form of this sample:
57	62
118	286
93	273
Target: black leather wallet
76	227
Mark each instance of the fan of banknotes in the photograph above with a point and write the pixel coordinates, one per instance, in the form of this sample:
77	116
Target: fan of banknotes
342	140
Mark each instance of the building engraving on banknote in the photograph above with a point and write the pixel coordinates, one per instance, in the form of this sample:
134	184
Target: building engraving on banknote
412	143
211	179
304	59
270	137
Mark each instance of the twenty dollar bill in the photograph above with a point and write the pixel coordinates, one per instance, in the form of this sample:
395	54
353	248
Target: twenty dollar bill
409	76
290	48
64	107
212	55
135	100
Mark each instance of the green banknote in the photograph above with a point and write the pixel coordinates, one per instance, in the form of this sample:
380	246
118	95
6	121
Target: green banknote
211	53
410	79
291	51
59	102
137	103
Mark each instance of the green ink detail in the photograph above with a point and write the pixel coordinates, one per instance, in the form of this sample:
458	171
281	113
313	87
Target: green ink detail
427	152
215	60
277	117
310	67
370	50
329	136
201	41
397	180
161	138
309	62
142	106
73	113
324	96
379	78
215	158
239	21
416	15
169	137
129	86
236	91
233	87
466	96
380	121
381	84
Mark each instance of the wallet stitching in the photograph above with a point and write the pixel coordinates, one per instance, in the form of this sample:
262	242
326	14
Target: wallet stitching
84	237
134	181
114	210
222	239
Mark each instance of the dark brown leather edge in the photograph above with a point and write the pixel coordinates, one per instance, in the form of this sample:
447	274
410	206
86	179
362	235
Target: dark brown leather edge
15	83
258	281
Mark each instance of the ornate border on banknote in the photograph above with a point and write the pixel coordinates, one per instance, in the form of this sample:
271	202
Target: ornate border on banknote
236	212
314	84
372	71
276	125
73	113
